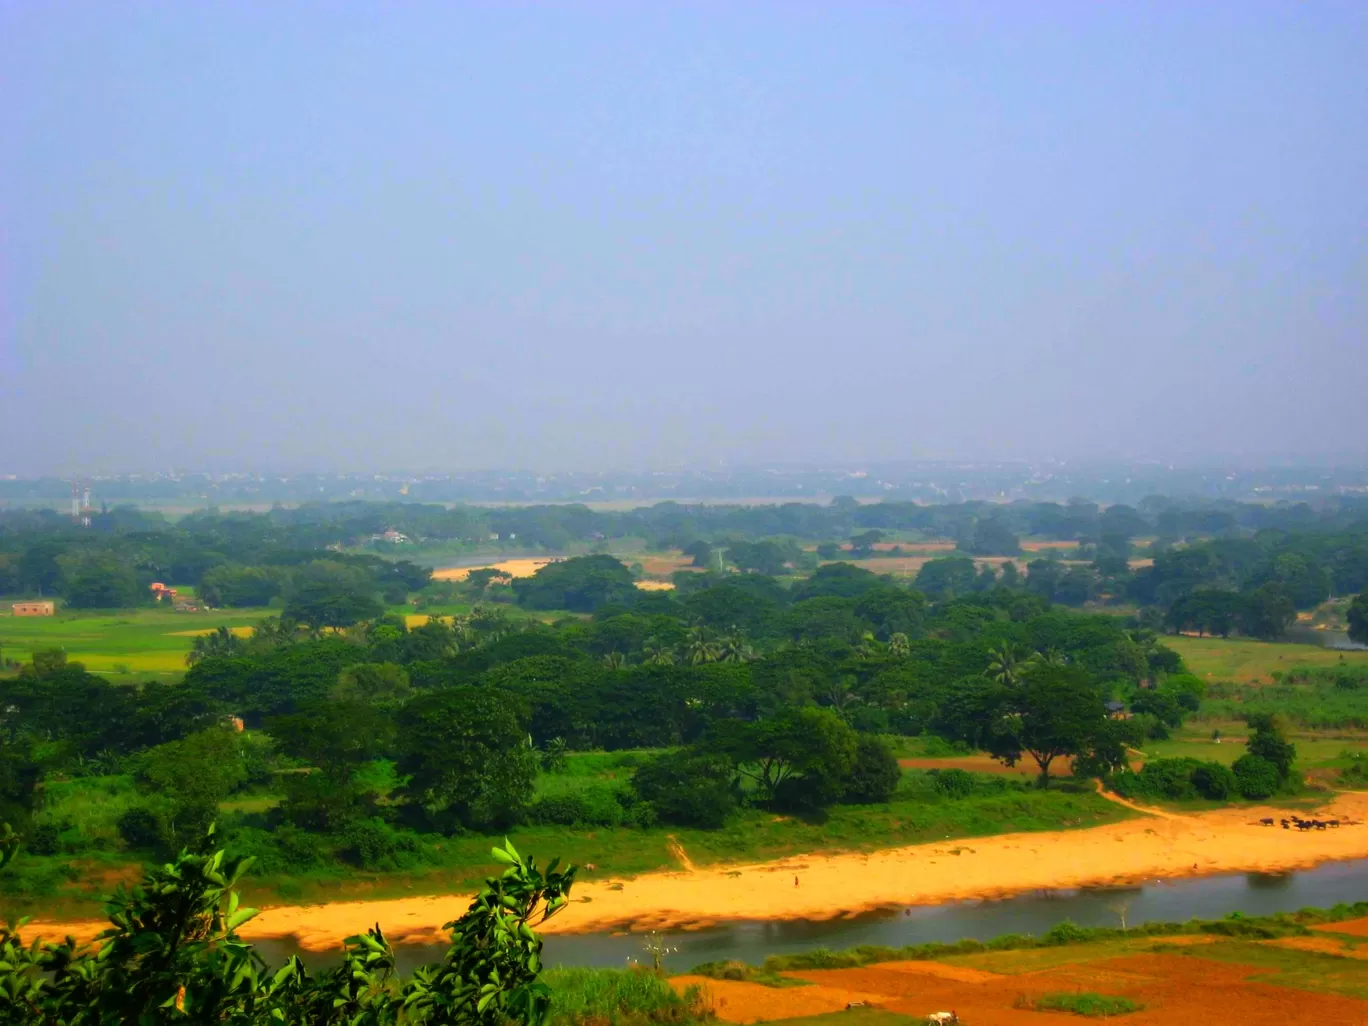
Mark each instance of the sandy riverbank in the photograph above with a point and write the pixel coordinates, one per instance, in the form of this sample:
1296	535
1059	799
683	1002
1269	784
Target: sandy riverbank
832	886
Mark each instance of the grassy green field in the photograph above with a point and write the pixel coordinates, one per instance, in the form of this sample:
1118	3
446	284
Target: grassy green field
1246	661
146	642
1313	750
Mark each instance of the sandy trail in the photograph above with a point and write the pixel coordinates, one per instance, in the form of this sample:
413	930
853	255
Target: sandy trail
834	886
1113	797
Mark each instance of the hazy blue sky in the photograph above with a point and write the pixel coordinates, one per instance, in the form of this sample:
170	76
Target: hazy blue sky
357	235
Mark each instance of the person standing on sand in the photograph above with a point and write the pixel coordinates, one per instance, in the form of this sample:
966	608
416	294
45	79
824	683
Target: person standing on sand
795	881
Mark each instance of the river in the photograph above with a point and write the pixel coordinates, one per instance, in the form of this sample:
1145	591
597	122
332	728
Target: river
1211	897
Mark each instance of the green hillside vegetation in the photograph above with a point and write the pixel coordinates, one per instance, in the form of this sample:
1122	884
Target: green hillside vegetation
747	714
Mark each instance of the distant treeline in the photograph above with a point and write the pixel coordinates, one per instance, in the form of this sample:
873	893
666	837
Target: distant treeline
1216	567
672	524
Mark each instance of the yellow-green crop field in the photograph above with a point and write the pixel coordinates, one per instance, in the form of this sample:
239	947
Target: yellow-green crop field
144	642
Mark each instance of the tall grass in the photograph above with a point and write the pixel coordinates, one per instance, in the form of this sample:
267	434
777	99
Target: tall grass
1318	699
620	997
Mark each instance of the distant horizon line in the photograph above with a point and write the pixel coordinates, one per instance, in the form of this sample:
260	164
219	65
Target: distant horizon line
1328	462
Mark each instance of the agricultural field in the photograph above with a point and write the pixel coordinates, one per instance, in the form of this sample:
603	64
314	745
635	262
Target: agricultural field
1245	661
152	644
656	566
144	642
1183	979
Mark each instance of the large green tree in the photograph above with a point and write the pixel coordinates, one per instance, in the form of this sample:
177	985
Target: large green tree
99	579
582	584
947	577
688	788
329	594
1056	711
336	738
801	757
1269	741
191	777
465	752
1269	611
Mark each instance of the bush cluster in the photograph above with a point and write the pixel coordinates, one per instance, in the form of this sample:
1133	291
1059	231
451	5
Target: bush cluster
595	805
1180	780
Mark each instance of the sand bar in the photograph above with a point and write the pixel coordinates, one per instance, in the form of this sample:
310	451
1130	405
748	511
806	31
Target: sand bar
833	886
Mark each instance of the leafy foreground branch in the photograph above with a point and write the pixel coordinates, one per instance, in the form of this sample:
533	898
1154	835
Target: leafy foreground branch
172	955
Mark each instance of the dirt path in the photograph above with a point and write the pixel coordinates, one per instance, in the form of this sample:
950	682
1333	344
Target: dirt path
1112	796
833	886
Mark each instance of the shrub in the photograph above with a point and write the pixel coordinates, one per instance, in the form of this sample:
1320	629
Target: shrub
142	829
1215	782
954	783
43	839
374	844
1256	776
285	850
1065	932
875	775
1169	778
687	788
1149	726
1177	780
590	806
730	969
1096	1006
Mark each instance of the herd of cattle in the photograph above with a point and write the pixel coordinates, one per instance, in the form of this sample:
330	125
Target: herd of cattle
1297	823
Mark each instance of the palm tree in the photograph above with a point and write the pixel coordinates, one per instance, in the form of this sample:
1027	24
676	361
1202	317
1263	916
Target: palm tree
841	695
221	642
654	653
1050	657
554	759
615	660
898	644
700	647
735	649
1004	664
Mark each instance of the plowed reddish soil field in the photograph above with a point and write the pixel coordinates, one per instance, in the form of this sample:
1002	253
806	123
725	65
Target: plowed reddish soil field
1176	990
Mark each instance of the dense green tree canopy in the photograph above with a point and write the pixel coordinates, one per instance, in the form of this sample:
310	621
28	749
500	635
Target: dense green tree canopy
1357	618
328	594
582	585
464	752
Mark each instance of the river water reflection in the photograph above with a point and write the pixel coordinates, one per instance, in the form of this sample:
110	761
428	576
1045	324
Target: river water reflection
1209	897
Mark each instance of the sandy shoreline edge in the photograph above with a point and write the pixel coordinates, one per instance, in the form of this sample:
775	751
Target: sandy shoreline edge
824	887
